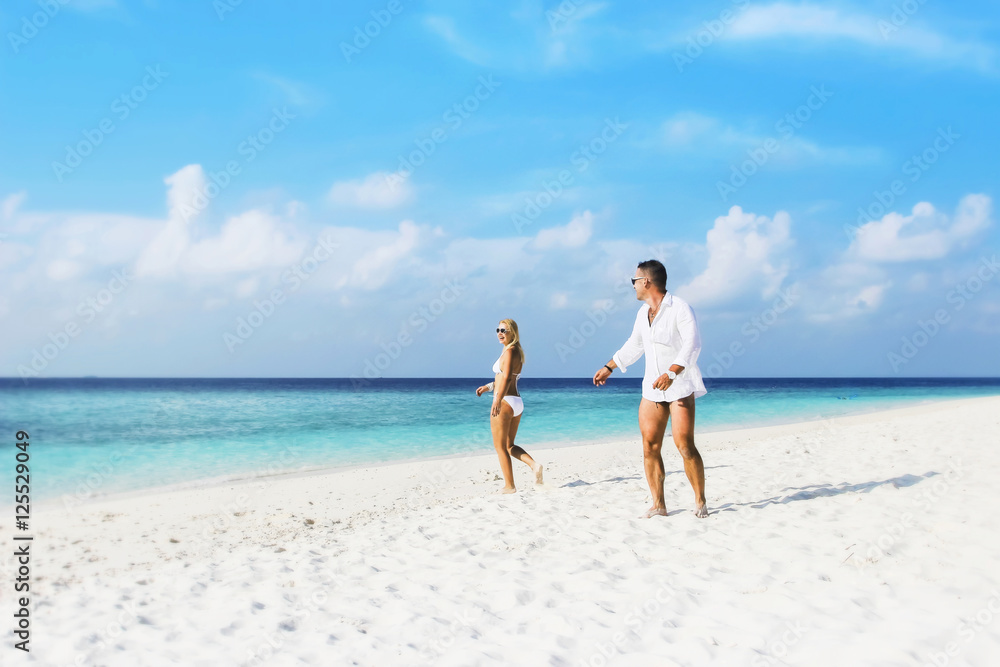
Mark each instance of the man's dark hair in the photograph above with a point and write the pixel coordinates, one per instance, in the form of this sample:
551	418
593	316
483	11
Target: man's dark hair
656	273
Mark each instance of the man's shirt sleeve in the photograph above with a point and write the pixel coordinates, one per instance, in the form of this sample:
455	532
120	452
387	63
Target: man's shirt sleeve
687	327
632	350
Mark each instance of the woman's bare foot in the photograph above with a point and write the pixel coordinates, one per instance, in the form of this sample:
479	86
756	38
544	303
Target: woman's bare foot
508	489
654	511
538	473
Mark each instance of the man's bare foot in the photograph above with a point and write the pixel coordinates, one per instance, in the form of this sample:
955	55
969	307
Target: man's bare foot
508	490
538	473
701	511
654	511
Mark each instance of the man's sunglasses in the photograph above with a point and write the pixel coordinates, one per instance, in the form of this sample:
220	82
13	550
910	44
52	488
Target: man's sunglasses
639	278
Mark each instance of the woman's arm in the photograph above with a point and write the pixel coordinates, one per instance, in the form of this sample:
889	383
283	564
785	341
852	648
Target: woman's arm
500	386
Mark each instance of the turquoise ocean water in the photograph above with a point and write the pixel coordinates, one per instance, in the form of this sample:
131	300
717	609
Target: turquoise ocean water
104	435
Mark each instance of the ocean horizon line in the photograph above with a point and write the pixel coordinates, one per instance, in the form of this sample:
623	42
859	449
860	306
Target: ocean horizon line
475	377
163	430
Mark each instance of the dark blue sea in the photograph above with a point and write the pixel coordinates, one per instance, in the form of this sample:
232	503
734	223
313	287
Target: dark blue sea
93	436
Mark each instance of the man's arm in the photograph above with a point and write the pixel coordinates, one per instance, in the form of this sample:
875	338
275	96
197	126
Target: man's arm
687	326
629	353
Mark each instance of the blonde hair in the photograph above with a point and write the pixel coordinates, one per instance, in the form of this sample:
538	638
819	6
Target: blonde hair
511	327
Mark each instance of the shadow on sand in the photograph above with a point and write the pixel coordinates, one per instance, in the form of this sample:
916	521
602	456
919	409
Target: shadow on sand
821	490
796	492
631	478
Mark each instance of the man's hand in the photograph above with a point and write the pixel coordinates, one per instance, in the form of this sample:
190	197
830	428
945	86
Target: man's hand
601	376
484	388
663	382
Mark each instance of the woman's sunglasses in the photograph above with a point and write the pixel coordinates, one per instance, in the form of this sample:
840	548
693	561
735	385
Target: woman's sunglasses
503	331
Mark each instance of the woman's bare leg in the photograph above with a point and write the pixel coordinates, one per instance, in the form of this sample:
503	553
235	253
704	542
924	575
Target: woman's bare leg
520	454
500	428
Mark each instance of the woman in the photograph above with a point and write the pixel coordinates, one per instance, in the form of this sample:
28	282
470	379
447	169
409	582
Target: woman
507	405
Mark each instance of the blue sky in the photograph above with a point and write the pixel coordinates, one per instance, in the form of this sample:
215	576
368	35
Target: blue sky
251	189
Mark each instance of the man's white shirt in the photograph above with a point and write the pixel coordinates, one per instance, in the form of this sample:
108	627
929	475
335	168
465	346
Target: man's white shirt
672	338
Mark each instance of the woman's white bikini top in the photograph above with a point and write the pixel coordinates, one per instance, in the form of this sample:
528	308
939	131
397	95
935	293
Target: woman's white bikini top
496	366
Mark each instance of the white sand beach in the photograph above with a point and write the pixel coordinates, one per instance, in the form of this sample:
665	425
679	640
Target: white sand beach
866	540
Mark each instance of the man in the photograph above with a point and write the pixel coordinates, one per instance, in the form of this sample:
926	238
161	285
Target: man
666	332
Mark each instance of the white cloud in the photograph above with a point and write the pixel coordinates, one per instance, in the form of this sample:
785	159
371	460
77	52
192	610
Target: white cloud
531	37
247	242
803	20
573	234
444	27
186	195
161	256
686	126
163	253
296	93
924	234
869	297
383	263
379	277
863	280
247	288
565	43
745	256
489	256
840	292
63	269
12	203
693	132
812	22
380	190
71	246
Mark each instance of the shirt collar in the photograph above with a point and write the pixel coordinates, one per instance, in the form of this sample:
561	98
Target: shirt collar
667	302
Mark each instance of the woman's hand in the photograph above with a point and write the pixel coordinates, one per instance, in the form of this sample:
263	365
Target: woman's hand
495	412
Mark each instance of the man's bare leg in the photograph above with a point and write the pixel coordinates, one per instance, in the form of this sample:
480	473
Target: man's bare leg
520	454
682	425
500	427
652	425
